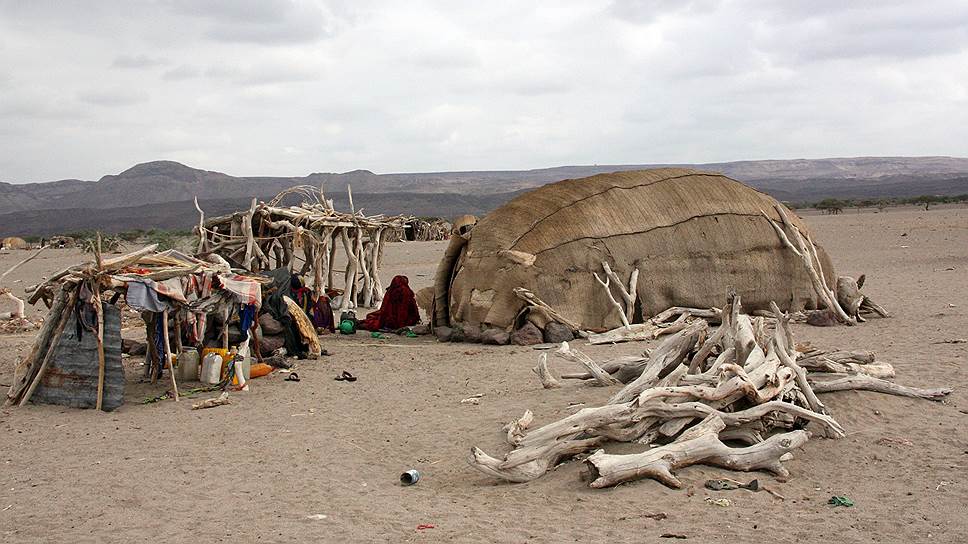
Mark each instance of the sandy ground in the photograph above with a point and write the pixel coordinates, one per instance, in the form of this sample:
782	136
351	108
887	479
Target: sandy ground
319	460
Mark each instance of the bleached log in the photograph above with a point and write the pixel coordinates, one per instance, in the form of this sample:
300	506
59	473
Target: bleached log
869	306
629	295
548	381
861	382
699	445
709	314
544	458
624	369
349	278
536	303
202	233
637	332
671	352
608	292
601	377
380	240
18	313
516	428
808	254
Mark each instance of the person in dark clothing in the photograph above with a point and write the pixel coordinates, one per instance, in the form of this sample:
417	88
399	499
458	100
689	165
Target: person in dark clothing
283	282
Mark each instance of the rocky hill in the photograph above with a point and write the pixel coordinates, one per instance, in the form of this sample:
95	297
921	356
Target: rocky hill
158	194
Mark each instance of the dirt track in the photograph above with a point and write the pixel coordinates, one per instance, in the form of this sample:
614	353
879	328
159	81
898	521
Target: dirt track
284	453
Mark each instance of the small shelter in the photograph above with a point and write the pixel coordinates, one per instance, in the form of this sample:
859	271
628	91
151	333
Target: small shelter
271	235
76	357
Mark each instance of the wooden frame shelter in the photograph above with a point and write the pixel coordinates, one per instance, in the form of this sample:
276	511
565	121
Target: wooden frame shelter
270	235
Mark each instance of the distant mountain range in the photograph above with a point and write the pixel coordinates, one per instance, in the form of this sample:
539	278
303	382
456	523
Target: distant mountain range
158	194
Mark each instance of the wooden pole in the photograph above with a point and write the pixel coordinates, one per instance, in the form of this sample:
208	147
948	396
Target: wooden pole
178	333
171	368
99	311
225	329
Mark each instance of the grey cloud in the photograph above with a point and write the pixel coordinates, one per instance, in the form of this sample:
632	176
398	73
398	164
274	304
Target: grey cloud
182	72
117	97
259	21
647	11
138	61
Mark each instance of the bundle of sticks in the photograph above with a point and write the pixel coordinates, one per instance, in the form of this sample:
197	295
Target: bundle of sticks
694	396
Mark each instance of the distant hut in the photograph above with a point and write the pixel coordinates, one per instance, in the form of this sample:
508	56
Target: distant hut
13	242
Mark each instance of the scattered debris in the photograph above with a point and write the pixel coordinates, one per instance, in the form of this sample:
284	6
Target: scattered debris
317	517
345	377
658	516
721	501
410	477
840	500
213	402
889	441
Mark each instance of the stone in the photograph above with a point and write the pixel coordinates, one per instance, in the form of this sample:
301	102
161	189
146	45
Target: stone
268	344
457	334
443	334
472	334
822	318
495	337
421	329
528	335
133	347
269	325
556	333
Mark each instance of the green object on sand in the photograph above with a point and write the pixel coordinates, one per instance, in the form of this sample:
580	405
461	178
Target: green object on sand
376	334
837	500
347	326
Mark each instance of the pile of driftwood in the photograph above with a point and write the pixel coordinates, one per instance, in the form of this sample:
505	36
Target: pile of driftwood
694	396
269	235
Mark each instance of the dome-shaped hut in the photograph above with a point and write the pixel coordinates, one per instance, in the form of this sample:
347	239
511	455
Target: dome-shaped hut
692	235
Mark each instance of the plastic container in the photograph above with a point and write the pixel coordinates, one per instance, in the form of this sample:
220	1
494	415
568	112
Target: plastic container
259	370
211	369
224	353
187	365
246	370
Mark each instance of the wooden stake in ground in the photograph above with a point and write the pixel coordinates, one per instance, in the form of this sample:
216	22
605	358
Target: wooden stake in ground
99	311
171	368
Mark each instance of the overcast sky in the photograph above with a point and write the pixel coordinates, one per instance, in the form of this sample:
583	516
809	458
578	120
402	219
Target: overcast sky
277	87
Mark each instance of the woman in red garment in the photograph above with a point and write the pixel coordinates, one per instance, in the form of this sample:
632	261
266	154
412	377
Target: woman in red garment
398	310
